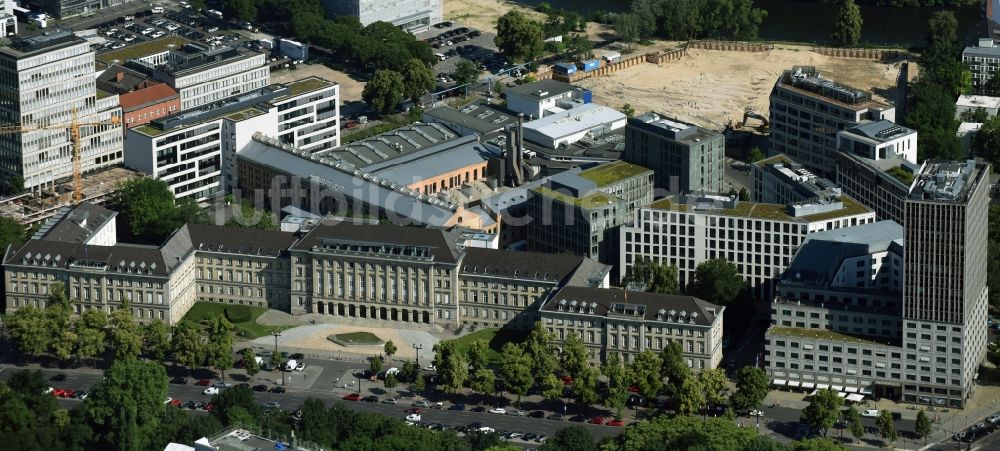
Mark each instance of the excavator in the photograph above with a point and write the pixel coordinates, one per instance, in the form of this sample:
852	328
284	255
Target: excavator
765	125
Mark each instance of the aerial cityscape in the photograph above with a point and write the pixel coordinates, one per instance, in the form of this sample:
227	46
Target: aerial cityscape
488	225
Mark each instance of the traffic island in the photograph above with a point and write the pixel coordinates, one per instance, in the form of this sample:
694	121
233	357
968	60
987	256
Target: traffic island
355	339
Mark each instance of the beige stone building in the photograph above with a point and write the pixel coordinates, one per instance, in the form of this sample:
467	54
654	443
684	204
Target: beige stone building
629	323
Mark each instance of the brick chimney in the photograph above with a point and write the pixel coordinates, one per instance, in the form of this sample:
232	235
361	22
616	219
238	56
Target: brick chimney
119	76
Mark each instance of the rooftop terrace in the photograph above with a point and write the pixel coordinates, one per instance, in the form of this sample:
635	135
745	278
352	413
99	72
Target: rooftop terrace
303	86
591	201
754	210
609	173
821	334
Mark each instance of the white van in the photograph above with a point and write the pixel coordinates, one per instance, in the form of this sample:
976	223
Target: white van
157	10
441	56
392	370
290	366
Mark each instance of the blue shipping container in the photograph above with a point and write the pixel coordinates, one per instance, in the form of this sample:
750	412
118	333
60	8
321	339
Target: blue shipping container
588	97
566	68
590	65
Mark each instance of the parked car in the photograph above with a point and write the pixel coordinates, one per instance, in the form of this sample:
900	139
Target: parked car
181	380
555	417
298	356
221	384
422	403
478	409
272	405
457	407
68	393
301	366
596	420
352	397
537	414
211	391
870	413
260	387
413	410
277	389
389	401
204	382
370	398
415	417
498	410
515	413
615	422
438	405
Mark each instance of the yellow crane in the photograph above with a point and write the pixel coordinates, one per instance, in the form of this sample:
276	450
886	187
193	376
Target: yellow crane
74	131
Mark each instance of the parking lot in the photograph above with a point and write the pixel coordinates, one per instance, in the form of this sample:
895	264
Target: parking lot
455	42
144	26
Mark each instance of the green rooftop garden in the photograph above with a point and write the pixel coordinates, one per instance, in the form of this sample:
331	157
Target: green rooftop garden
306	85
850	208
143	49
822	334
588	202
147	129
667	204
243	114
901	174
769	211
755	210
103	94
609	173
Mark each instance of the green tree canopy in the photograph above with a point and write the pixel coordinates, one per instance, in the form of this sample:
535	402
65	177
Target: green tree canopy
756	154
717	281
187	345
646	371
675	370
853	420
384	91
389	348
127	404
886	426
847	28
466	72
124	334
716	386
986	144
245	10
823	410
250	364
751	388
519	38
922	426
654	277
573	358
220	344
27	327
156	337
575	438
683	433
417	79
817	444
147	205
690	396
618	382
515	367
11	232
91	333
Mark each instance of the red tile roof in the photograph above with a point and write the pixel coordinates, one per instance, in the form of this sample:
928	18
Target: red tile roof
153	94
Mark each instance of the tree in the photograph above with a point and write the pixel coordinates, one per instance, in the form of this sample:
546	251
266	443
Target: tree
691	397
579	46
933	117
886	426
220	344
817	444
573	358
157	339
27	326
236	403
617	393
250	364
389	349
674	368
375	364
90	330
466	72
654	277
986	144
417	79
384	91
515	367
629	28
63	343
922	426
419	384
764	443
187	345
991	87
147	205
454	373
408	371
627	110
584	387
751	389
483	381
646	372
853	420
124	334
716	386
478	355
244	10
519	38
717	281
756	154
247	216
390	382
128	402
823	410
744	195
847	29
11	232
978	115
575	438
538	348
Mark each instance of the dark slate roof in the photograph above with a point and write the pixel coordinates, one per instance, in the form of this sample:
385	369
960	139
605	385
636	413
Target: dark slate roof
638	305
233	240
820	256
121	258
436	241
541	89
525	265
76	224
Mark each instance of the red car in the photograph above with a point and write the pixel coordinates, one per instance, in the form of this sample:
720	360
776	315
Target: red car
596	420
352	397
67	393
176	402
567	379
615	423
413	410
209	407
58	392
204	382
633	388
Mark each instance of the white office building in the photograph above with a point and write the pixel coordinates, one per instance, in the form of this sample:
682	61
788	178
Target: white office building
570	126
779	180
46	78
759	239
202	75
879	140
413	16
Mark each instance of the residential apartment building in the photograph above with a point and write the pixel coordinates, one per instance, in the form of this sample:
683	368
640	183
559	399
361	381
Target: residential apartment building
628	323
203	75
413	16
501	288
686	158
760	239
983	61
807	111
892	322
142	100
779	180
46	79
579	211
881	185
309	115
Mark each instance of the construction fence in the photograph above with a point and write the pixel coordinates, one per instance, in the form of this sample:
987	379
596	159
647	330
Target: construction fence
664	56
731	46
868	54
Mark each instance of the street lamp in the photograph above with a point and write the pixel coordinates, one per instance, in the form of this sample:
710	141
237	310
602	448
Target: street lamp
277	334
418	348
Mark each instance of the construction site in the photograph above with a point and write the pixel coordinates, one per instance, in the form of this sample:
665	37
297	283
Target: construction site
30	208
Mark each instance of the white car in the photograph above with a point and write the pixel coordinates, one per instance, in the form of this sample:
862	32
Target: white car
168	400
870	413
147	31
430	367
111	32
756	413
47	391
301	366
157	34
995	418
128	38
499	410
486	429
414	417
211	391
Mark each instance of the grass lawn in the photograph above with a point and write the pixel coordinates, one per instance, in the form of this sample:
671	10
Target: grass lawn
359	338
496	338
243	317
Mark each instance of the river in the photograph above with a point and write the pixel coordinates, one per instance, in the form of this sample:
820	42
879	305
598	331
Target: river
790	20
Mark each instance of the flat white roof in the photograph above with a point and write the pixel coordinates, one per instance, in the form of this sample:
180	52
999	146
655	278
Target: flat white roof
978	101
581	118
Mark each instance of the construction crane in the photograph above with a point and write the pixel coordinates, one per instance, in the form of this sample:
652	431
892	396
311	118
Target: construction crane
74	130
